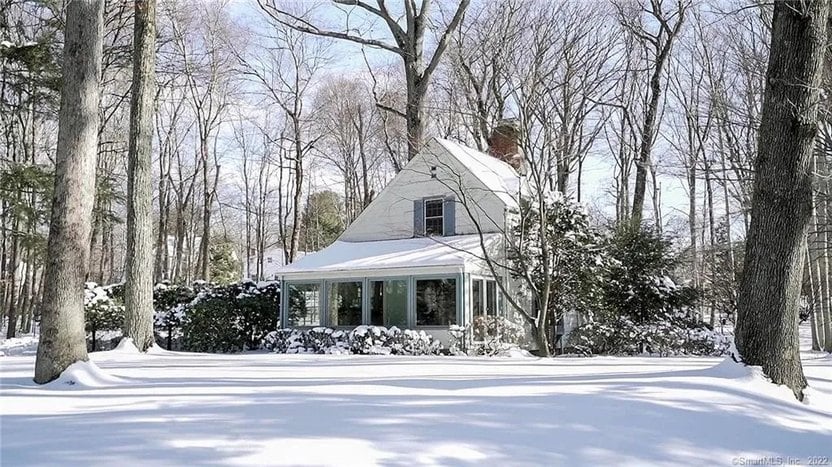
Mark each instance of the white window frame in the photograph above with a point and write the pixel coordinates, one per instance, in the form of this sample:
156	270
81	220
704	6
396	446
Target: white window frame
441	202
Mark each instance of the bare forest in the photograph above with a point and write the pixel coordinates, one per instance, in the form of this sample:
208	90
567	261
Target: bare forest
273	124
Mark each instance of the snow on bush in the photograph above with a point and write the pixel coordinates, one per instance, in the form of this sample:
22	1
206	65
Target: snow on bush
200	317
103	312
363	340
487	335
670	335
230	318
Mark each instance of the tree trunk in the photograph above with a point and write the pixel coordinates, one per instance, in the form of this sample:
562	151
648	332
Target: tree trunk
646	144
709	198
11	331
203	262
766	331
138	287
62	339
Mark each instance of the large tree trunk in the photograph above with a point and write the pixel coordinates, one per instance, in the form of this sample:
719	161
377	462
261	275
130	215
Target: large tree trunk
138	287
62	339
766	331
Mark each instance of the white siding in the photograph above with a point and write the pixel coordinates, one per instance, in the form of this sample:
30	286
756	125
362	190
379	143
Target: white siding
390	215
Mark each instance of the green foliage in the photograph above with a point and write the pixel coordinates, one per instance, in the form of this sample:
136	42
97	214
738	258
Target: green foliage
641	309
225	268
637	283
230	318
567	251
26	191
102	311
322	221
671	335
169	303
210	328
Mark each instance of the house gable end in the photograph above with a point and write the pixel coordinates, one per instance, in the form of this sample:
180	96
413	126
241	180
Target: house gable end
436	172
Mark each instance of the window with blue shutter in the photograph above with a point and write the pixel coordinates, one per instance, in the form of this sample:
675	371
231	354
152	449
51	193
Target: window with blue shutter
418	217
449	220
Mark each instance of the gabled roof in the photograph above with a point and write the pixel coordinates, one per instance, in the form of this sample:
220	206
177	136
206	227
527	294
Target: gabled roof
419	252
496	175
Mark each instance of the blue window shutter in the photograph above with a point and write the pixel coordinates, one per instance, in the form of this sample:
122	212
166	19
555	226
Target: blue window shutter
449	216
419	217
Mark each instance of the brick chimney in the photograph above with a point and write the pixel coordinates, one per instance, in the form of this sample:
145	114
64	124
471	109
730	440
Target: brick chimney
503	143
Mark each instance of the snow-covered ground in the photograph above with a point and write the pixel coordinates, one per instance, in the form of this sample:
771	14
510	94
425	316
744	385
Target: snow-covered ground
170	408
26	344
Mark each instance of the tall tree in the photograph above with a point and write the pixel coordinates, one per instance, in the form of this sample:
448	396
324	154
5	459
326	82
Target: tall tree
138	287
62	339
409	44
656	36
781	206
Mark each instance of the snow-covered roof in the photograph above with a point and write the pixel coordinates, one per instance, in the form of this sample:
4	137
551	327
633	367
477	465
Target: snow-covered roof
420	252
495	174
273	260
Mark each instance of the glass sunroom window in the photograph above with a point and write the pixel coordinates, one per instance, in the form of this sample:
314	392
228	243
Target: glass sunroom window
435	302
345	303
477	305
491	303
304	308
476	297
388	303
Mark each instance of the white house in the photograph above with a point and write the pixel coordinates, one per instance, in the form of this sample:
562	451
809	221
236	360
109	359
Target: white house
414	257
274	258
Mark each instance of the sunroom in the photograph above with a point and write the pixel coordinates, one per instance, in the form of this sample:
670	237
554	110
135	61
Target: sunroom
426	283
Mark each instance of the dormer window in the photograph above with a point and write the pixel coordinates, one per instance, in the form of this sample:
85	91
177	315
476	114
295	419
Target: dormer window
434	218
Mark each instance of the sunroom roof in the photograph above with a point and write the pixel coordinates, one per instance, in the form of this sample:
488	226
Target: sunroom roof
420	252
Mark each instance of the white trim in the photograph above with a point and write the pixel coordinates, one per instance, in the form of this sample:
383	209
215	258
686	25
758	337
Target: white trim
425	202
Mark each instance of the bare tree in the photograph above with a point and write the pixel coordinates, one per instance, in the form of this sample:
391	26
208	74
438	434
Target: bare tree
766	332
657	41
202	45
481	55
409	44
283	68
349	126
62	339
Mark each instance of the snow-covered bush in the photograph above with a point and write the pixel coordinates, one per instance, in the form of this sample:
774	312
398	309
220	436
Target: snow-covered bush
370	340
230	318
318	340
410	342
170	302
102	312
670	335
279	341
557	256
363	340
487	335
637	285
642	310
